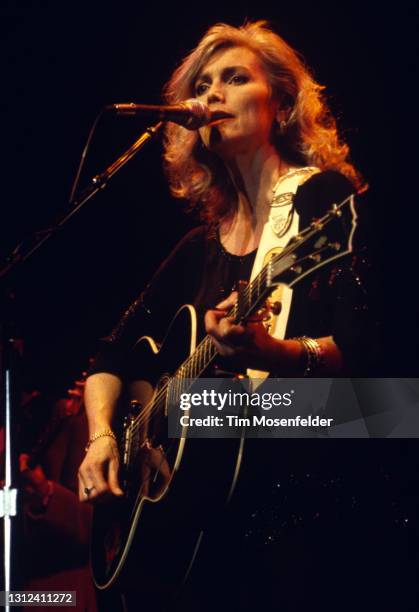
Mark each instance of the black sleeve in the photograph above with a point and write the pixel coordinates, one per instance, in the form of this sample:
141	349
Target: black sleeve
338	300
317	195
171	286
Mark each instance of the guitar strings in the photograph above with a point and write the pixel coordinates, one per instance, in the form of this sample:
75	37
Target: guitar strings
155	404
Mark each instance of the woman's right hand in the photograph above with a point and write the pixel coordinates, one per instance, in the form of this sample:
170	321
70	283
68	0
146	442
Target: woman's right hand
98	474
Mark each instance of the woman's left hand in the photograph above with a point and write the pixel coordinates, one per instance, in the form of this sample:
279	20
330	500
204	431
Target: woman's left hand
248	345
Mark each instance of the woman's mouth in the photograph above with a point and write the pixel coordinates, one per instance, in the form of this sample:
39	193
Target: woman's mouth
218	117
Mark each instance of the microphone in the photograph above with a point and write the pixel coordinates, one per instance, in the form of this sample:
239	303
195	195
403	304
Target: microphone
191	114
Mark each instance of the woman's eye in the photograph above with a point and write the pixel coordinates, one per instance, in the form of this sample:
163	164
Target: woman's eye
239	79
201	89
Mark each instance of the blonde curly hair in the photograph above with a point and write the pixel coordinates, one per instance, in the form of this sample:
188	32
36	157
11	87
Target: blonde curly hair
310	136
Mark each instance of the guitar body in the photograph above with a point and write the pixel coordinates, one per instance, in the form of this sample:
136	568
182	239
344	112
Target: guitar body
174	488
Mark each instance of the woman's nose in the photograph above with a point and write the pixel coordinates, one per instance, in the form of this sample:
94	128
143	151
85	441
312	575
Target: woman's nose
215	94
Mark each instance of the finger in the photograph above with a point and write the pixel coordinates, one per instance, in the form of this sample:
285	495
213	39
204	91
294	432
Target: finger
86	485
222	328
229	302
82	486
91	480
212	318
223	349
96	481
89	492
231	343
230	333
217	325
113	478
258	317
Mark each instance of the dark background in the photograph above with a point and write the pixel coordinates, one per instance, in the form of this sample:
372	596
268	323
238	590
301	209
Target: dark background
63	61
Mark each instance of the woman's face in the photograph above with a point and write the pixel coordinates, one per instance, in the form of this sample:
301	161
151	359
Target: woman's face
234	81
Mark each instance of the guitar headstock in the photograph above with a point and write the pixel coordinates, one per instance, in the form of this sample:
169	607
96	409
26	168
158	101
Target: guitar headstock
325	240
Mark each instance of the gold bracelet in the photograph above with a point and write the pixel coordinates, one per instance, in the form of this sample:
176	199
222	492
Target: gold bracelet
100	434
314	352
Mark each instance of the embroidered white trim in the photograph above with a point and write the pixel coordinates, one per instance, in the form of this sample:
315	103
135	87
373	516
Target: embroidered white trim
282	225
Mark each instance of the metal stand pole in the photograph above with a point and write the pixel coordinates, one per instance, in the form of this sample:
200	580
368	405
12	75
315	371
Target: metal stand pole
8	495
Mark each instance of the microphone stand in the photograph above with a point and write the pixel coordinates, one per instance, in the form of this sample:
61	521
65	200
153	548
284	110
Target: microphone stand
9	344
98	182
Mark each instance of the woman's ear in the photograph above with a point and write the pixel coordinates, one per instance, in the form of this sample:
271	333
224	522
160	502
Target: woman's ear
281	121
279	115
282	116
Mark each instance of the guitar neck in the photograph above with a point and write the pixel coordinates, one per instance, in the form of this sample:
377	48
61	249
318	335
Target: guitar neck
249	299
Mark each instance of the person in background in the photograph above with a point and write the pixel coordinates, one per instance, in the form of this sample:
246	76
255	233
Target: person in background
55	549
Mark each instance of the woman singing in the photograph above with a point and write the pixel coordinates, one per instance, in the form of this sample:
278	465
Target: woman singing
277	129
270	161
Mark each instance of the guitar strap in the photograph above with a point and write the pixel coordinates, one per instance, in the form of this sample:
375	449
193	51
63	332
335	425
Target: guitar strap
282	225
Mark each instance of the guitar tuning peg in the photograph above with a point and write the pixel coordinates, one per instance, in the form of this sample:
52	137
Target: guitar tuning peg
274	307
336	211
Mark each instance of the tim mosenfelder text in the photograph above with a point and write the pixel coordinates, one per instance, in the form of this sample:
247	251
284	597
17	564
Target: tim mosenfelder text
230	399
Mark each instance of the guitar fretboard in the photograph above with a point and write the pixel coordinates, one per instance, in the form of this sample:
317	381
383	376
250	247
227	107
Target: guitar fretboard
193	367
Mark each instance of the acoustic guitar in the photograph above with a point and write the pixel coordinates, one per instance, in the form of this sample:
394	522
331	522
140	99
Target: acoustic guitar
175	488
